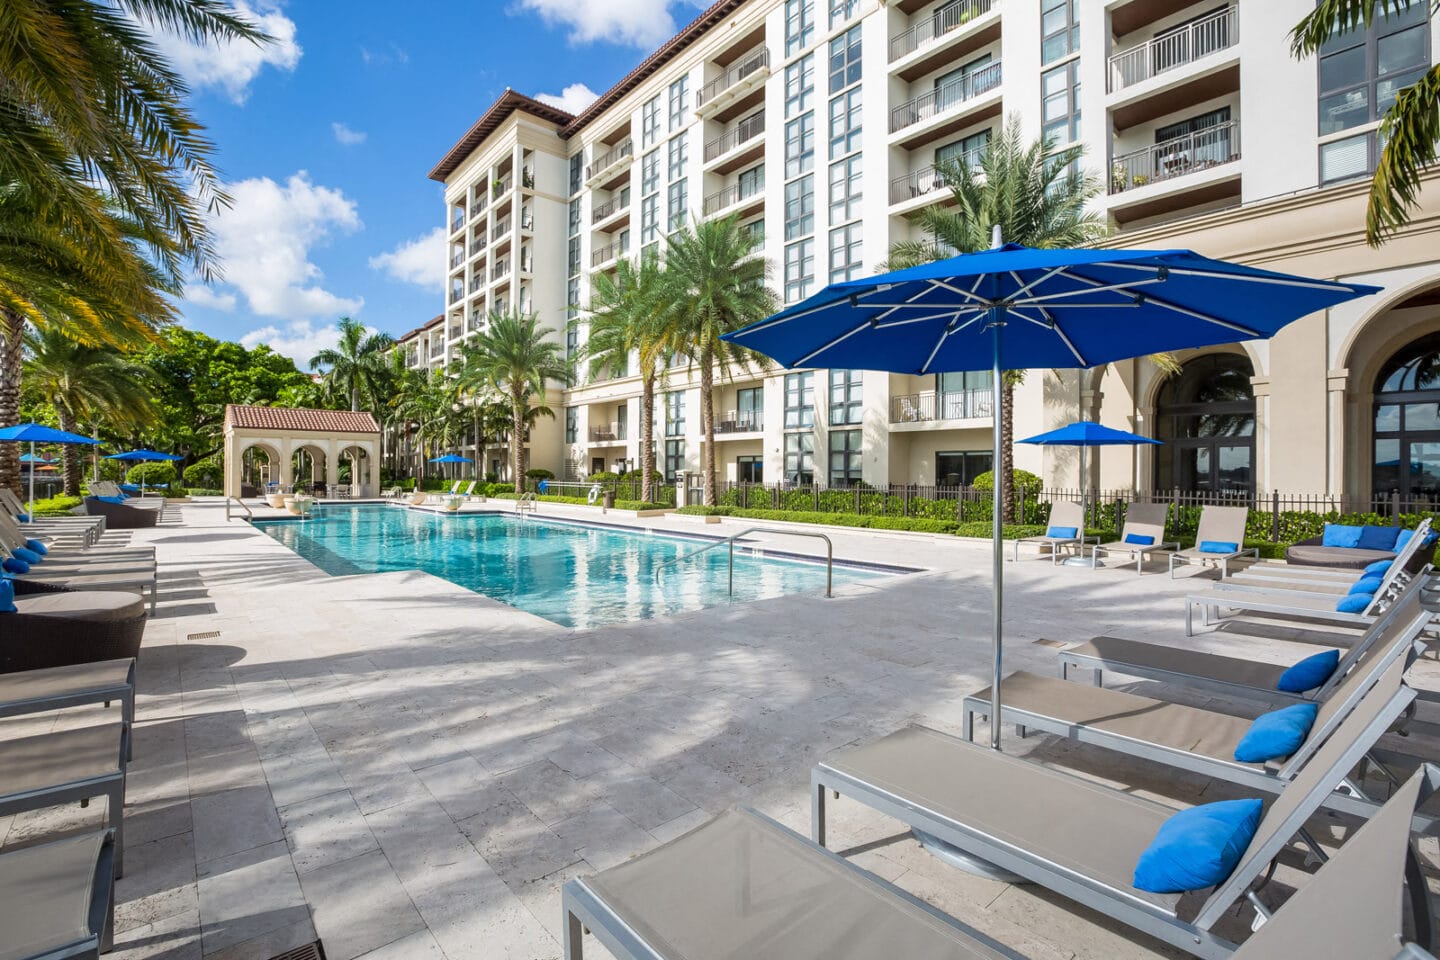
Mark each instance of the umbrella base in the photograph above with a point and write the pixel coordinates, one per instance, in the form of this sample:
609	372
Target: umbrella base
961	860
1080	562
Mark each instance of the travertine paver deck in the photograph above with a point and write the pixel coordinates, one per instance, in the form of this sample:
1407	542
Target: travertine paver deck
407	769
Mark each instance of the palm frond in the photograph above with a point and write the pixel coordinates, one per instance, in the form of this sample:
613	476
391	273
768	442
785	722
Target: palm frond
1410	130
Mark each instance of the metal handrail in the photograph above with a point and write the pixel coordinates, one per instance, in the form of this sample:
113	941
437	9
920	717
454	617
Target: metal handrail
730	542
738	71
1218	31
743	132
247	510
947	96
934	26
527	503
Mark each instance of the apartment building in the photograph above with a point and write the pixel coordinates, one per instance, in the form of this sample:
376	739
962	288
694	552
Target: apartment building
819	123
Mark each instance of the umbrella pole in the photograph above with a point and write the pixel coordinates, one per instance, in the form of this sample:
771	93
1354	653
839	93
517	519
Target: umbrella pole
32	481
997	528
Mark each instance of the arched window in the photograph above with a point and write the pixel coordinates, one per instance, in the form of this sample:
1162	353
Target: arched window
1205	415
1407	423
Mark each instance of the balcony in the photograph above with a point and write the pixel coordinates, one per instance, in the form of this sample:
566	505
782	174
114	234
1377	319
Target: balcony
1202	165
527	220
501	269
927	181
739	78
608	253
478	205
477	281
501	187
741	421
949	105
930	406
457	292
610	163
611	433
457	257
944	36
437	349
478	244
609	208
1173	50
501	230
737	145
733	196
527	263
457	220
456	329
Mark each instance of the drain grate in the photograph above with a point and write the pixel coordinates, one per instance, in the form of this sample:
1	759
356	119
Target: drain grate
311	951
207	635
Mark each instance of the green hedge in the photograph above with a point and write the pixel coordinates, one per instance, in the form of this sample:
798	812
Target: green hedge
56	506
872	522
152	473
205	473
585	502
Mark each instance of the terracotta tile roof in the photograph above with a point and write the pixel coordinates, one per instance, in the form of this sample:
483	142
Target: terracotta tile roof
420	329
297	418
508	103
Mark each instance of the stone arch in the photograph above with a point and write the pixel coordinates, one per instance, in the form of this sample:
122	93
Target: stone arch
272	451
1207	416
311	462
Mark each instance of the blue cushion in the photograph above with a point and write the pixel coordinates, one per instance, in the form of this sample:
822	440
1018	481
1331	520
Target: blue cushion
1365	585
1378	538
1339	535
1276	734
1354	602
14	565
7	596
1139	538
1199	847
23	517
110	499
1061	533
1379	568
29	556
1219	546
1309	673
37	546
1405	536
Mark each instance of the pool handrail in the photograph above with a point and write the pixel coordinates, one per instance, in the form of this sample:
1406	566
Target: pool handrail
730	542
243	506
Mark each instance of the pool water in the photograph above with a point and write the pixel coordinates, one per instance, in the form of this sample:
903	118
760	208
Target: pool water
573	575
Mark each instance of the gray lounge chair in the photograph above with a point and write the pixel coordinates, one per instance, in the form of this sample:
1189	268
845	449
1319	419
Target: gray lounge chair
1291	604
1217	525
1065	514
1075	836
137	581
72	685
1279	572
12	536
122	516
57	900
1142	520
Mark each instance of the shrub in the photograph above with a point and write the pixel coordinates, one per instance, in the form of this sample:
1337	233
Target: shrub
491	476
203	492
56	506
499	489
1025	481
603	476
918	524
206	473
151	474
539	473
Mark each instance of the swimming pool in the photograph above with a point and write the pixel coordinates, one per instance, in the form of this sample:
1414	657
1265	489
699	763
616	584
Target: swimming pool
572	574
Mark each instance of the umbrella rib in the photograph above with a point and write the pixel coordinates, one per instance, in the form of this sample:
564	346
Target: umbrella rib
1101	288
1238	278
970	295
834	342
944	335
1033	283
885	325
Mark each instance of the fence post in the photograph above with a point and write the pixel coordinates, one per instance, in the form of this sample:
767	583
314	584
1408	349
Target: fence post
905	500
1274	516
1019	506
815	495
1395	508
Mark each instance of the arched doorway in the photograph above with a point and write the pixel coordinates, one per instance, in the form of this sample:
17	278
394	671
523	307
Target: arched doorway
1205	417
1406	456
307	469
259	467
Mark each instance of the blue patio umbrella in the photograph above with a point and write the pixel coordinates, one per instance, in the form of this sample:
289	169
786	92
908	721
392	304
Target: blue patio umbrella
451	458
33	433
1086	434
33	458
143	456
1017	308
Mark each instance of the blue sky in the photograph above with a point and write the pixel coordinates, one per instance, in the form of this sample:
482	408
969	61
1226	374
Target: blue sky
325	139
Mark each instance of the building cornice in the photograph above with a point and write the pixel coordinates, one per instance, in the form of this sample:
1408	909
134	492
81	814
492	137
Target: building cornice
508	103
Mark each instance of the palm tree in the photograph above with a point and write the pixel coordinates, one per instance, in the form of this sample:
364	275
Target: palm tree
714	283
357	364
515	357
628	312
1411	127
1037	196
429	401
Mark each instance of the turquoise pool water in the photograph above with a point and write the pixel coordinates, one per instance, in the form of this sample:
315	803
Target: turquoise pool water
574	575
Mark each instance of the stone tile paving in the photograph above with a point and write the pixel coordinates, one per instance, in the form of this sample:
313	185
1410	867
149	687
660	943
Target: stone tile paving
408	770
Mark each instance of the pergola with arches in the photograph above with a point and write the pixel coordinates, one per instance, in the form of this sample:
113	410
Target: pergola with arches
322	437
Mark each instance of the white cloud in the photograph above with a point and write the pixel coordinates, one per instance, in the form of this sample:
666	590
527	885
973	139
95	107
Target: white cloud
394	54
637	23
299	340
346	136
573	99
420	261
204	296
231	66
264	241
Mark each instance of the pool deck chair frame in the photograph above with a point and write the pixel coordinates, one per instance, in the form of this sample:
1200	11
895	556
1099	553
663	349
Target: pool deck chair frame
1280	572
60	897
1141	520
1217	525
1391	580
1075	836
73	685
699	897
1063	513
139	581
1286	604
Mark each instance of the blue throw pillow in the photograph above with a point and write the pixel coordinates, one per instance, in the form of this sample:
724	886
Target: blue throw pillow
1365	585
1276	734
1219	546
110	499
1339	535
1309	673
14	565
1199	847
1378	538
23	517
1061	533
37	546
1139	539
1379	568
1405	536
29	556
7	596
1354	602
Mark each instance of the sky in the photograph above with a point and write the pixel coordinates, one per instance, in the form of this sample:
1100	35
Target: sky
324	139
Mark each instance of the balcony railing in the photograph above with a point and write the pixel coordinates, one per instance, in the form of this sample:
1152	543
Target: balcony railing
928	180
457	220
527	220
738	71
437	349
936	25
1200	150
478	205
608	252
457	257
743	132
457	293
477	281
607	434
1174	49
501	268
501	187
456	330
949	405
732	195
744	421
527	264
611	206
501	231
478	244
610	157
946	97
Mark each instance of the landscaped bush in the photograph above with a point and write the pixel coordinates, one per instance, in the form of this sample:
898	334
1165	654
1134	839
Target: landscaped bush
1025	482
203	492
539	473
498	489
919	524
152	474
56	506
206	473
584	501
603	476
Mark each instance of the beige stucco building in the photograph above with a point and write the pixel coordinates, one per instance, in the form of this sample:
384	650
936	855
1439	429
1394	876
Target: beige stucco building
320	438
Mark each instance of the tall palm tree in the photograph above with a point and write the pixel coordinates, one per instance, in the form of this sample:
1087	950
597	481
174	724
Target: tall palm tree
515	357
628	313
429	401
84	384
1037	196
714	283
1410	130
357	365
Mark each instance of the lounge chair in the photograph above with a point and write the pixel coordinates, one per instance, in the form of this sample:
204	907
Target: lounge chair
1072	835
1067	523
13	537
1220	529
72	685
57	899
79	526
54	626
121	516
1286	604
1389	581
1405	560
1142	535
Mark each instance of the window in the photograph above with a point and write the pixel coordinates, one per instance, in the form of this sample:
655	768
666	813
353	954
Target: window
1362	71
845	59
799	270
845	457
574	217
577	173
799	207
845	251
1201	140
960	468
572	297
965	150
1205	416
679	100
799	25
1060	103
799	400
650	172
799	145
676	206
846	402
800	458
751	182
799	86
677	156
750	469
842	10
845	123
756	231
674	459
572	424
1407	424
1059	31
845	189
572	257
1349	157
622	431
650	123
750	408
572	335
675	414
649	220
